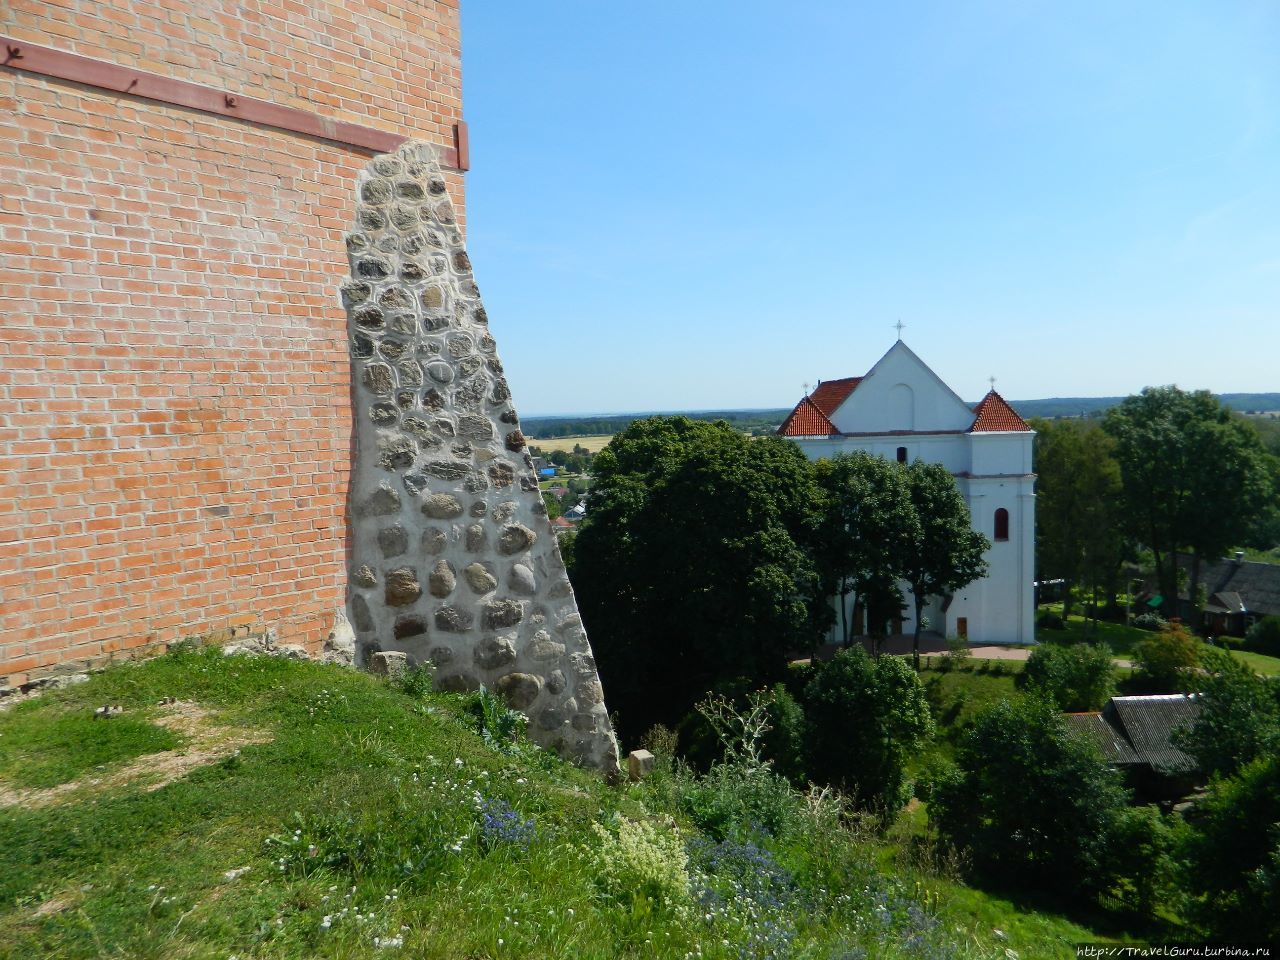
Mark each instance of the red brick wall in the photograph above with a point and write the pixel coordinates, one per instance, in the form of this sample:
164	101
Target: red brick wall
175	423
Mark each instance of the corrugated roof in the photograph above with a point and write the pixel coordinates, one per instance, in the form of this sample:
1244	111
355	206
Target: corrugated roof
994	415
1115	748
1148	722
1256	584
807	420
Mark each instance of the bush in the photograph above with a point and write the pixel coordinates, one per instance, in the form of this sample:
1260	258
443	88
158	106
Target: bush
1032	804
1167	662
1078	677
1239	718
1264	637
1141	859
734	802
1150	621
1050	621
1233	858
866	718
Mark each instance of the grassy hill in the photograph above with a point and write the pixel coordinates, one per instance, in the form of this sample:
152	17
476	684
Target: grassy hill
261	807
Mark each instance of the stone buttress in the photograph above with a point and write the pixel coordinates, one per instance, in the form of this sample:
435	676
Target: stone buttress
453	558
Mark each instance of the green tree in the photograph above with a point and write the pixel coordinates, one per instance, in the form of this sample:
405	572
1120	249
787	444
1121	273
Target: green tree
1233	856
1239	717
1193	477
1031	803
868	527
1168	659
691	565
553	506
1078	526
867	716
1077	677
946	553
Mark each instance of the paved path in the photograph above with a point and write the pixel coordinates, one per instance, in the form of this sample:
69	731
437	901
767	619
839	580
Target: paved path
934	645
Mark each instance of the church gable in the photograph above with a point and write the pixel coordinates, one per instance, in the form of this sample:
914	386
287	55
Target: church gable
900	394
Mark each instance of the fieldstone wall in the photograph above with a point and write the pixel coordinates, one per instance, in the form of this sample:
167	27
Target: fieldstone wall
454	560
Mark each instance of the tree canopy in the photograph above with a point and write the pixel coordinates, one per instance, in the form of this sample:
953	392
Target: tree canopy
693	563
1079	533
1194	477
946	553
869	526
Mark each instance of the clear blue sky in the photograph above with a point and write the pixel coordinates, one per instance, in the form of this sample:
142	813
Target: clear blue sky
705	204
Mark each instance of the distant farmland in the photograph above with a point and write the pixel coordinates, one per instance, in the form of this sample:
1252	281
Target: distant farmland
595	444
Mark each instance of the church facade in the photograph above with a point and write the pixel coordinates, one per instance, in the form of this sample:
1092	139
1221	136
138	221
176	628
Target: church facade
902	411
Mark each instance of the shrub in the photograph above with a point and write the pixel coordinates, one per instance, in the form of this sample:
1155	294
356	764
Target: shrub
1264	637
1233	858
733	802
1078	677
1050	621
1167	661
1031	803
1141	861
867	717
1150	621
1239	718
499	725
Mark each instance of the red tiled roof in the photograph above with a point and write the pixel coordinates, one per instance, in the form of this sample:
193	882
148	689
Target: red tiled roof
806	420
831	393
994	415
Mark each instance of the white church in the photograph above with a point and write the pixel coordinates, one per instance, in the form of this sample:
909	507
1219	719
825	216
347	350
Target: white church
902	411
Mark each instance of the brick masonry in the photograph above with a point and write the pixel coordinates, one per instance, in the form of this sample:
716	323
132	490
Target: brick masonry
175	398
454	561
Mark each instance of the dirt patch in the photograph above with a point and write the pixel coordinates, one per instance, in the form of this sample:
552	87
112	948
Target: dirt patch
207	742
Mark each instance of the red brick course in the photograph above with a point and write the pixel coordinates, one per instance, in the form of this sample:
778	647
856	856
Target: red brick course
175	424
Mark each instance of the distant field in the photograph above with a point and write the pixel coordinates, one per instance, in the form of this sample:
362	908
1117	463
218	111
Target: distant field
594	444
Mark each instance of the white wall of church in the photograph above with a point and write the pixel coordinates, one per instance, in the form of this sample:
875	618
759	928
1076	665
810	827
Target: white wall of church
1000	608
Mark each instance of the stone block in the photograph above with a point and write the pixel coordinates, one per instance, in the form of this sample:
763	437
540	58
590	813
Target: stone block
639	764
390	664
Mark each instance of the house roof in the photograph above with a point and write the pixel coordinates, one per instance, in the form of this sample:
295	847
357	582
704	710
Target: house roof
1136	730
807	420
994	415
1115	748
1256	586
831	393
1148	723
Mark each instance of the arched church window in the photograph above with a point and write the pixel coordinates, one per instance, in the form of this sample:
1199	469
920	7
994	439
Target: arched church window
1002	524
902	454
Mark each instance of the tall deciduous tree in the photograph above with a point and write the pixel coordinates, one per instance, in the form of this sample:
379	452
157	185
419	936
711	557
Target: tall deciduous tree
692	563
946	553
868	528
1078	520
1194	477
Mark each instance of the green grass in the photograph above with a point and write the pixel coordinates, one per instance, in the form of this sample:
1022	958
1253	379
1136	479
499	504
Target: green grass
1117	636
1121	639
362	807
1261	663
40	747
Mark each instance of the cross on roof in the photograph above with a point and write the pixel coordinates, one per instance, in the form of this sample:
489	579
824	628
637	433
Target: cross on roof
899	325
993	381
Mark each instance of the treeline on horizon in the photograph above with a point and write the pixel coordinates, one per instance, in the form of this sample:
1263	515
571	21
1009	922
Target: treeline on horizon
766	421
